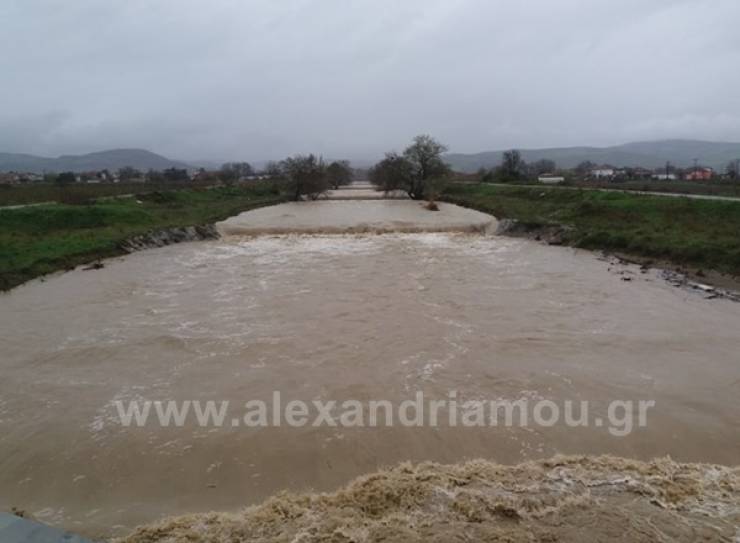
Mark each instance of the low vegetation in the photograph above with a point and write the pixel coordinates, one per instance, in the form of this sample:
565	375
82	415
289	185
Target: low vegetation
697	233
41	239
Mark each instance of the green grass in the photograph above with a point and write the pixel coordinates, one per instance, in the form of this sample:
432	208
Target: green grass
33	193
41	239
700	233
711	188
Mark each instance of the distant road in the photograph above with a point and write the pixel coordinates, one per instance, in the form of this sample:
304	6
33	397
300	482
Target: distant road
34	204
19	206
627	191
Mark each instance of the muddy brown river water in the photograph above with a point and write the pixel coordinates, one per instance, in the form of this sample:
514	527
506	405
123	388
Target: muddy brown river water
336	318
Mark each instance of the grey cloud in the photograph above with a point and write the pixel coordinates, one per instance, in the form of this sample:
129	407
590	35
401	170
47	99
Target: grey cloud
259	79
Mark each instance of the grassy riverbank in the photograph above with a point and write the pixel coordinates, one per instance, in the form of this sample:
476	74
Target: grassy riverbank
717	188
698	233
724	188
38	240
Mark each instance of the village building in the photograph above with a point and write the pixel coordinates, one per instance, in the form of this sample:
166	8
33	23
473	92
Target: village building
662	176
602	172
550	178
700	174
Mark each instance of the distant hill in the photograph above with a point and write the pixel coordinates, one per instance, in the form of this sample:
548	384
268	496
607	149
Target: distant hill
647	154
111	160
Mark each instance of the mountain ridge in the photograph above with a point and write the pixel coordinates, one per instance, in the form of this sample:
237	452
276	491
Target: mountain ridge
112	159
646	154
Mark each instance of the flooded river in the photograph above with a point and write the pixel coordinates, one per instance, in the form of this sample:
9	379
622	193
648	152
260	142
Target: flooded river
336	318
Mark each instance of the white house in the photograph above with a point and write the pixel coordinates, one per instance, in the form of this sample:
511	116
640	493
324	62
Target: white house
602	172
551	179
665	176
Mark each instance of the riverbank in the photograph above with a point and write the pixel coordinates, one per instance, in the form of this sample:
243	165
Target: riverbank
697	237
717	190
38	240
47	193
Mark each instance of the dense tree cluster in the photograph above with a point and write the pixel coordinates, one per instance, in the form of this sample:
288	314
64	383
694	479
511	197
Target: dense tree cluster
66	178
235	171
127	173
733	170
339	173
417	171
513	168
305	175
308	176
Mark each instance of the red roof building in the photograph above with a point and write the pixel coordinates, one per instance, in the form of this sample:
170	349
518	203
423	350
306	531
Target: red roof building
700	174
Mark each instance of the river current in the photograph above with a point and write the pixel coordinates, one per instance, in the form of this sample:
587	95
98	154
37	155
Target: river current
337	318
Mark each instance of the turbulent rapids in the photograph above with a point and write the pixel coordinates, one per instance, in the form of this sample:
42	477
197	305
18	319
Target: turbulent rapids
356	217
561	499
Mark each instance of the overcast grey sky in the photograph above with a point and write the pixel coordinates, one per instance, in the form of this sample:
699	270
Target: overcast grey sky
259	79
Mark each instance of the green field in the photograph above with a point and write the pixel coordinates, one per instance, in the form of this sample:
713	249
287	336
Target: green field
33	193
41	239
712	188
674	187
699	233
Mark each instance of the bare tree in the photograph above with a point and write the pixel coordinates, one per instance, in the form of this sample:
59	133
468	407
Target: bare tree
394	172
512	167
733	170
272	169
585	167
541	166
234	171
425	156
127	173
305	176
417	172
339	173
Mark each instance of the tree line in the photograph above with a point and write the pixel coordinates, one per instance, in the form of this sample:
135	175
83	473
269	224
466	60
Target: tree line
309	176
300	175
513	168
419	171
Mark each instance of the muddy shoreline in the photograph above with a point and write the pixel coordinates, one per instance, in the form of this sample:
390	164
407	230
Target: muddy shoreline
168	236
709	282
